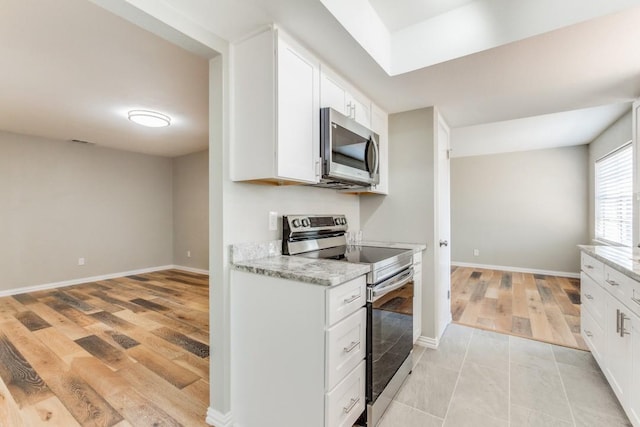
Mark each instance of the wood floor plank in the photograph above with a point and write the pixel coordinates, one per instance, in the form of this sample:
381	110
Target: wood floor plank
170	371
49	412
123	352
22	380
537	306
178	405
82	401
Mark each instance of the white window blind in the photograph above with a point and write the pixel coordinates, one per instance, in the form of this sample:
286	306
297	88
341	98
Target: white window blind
614	196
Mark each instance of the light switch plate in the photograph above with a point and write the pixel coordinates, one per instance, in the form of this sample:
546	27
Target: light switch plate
273	221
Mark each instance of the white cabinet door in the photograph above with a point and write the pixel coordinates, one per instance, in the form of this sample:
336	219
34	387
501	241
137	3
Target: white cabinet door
618	349
634	393
360	109
298	117
333	95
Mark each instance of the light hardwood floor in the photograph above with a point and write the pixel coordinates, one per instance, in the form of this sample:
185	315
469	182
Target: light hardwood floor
132	351
544	308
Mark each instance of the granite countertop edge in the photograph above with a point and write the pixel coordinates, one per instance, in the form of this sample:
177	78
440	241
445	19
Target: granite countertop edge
415	247
622	259
317	272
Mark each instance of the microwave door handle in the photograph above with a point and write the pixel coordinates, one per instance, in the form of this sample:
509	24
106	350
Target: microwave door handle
377	150
366	155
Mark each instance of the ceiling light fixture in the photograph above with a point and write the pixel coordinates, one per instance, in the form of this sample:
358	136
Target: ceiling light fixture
150	119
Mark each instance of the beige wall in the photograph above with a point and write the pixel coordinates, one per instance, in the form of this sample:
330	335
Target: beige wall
61	201
407	213
526	209
616	135
191	210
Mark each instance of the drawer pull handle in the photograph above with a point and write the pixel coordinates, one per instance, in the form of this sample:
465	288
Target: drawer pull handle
588	296
589	266
352	404
612	282
353	345
351	299
618	320
588	333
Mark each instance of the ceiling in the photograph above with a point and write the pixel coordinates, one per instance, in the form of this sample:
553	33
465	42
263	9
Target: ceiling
71	71
398	14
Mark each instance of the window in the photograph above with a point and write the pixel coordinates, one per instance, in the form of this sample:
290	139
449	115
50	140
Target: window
614	196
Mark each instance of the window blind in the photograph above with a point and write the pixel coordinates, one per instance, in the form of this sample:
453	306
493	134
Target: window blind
614	196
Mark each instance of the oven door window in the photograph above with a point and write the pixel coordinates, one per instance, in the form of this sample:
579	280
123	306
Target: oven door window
391	335
353	150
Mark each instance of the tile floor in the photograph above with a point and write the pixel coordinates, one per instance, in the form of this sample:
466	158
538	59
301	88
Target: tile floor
484	379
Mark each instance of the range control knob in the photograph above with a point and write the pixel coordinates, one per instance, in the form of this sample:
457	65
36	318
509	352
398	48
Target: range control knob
305	222
343	221
337	221
295	223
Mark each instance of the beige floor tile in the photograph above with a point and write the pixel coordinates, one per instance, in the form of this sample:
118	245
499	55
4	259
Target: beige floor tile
399	415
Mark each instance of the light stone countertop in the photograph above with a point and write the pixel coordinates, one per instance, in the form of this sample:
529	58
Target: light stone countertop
266	258
625	260
310	270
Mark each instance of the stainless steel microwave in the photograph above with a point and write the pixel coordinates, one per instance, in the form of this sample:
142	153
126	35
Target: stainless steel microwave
350	152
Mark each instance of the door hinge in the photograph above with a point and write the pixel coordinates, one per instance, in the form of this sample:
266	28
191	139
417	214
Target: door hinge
449	150
449	294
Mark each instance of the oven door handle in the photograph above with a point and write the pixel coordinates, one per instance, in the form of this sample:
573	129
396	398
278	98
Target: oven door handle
391	285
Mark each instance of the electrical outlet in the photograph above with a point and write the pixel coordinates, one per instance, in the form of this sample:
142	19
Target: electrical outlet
80	261
476	252
273	221
188	254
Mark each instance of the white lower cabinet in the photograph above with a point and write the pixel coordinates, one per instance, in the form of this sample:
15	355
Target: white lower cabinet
634	397
297	352
346	401
611	329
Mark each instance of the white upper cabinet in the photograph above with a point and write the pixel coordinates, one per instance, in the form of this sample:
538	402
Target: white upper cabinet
342	97
275	110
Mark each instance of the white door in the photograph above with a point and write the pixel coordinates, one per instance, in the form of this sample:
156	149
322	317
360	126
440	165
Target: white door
618	348
443	226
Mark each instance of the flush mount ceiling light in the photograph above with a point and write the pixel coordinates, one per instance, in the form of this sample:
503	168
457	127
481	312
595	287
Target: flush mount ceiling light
150	119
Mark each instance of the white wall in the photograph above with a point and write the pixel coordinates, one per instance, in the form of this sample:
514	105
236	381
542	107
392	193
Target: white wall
526	209
613	137
191	210
407	213
63	200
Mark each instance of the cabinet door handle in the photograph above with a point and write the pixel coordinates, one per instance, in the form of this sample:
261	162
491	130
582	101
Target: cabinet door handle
588	333
351	299
617	320
588	296
589	266
352	404
622	331
353	345
612	282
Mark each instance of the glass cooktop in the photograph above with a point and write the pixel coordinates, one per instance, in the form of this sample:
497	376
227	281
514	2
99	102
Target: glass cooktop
356	254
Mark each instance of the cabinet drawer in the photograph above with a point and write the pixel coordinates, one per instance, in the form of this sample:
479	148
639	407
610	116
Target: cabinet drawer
592	298
342	300
345	403
593	335
345	346
618	285
592	267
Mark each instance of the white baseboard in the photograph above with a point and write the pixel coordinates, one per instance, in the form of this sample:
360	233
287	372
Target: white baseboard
517	269
81	280
428	342
191	269
218	419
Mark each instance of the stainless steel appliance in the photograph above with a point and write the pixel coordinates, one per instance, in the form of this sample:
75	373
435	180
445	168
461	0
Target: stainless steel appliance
389	300
350	152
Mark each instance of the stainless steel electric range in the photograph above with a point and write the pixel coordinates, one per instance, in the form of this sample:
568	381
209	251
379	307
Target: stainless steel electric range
389	300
